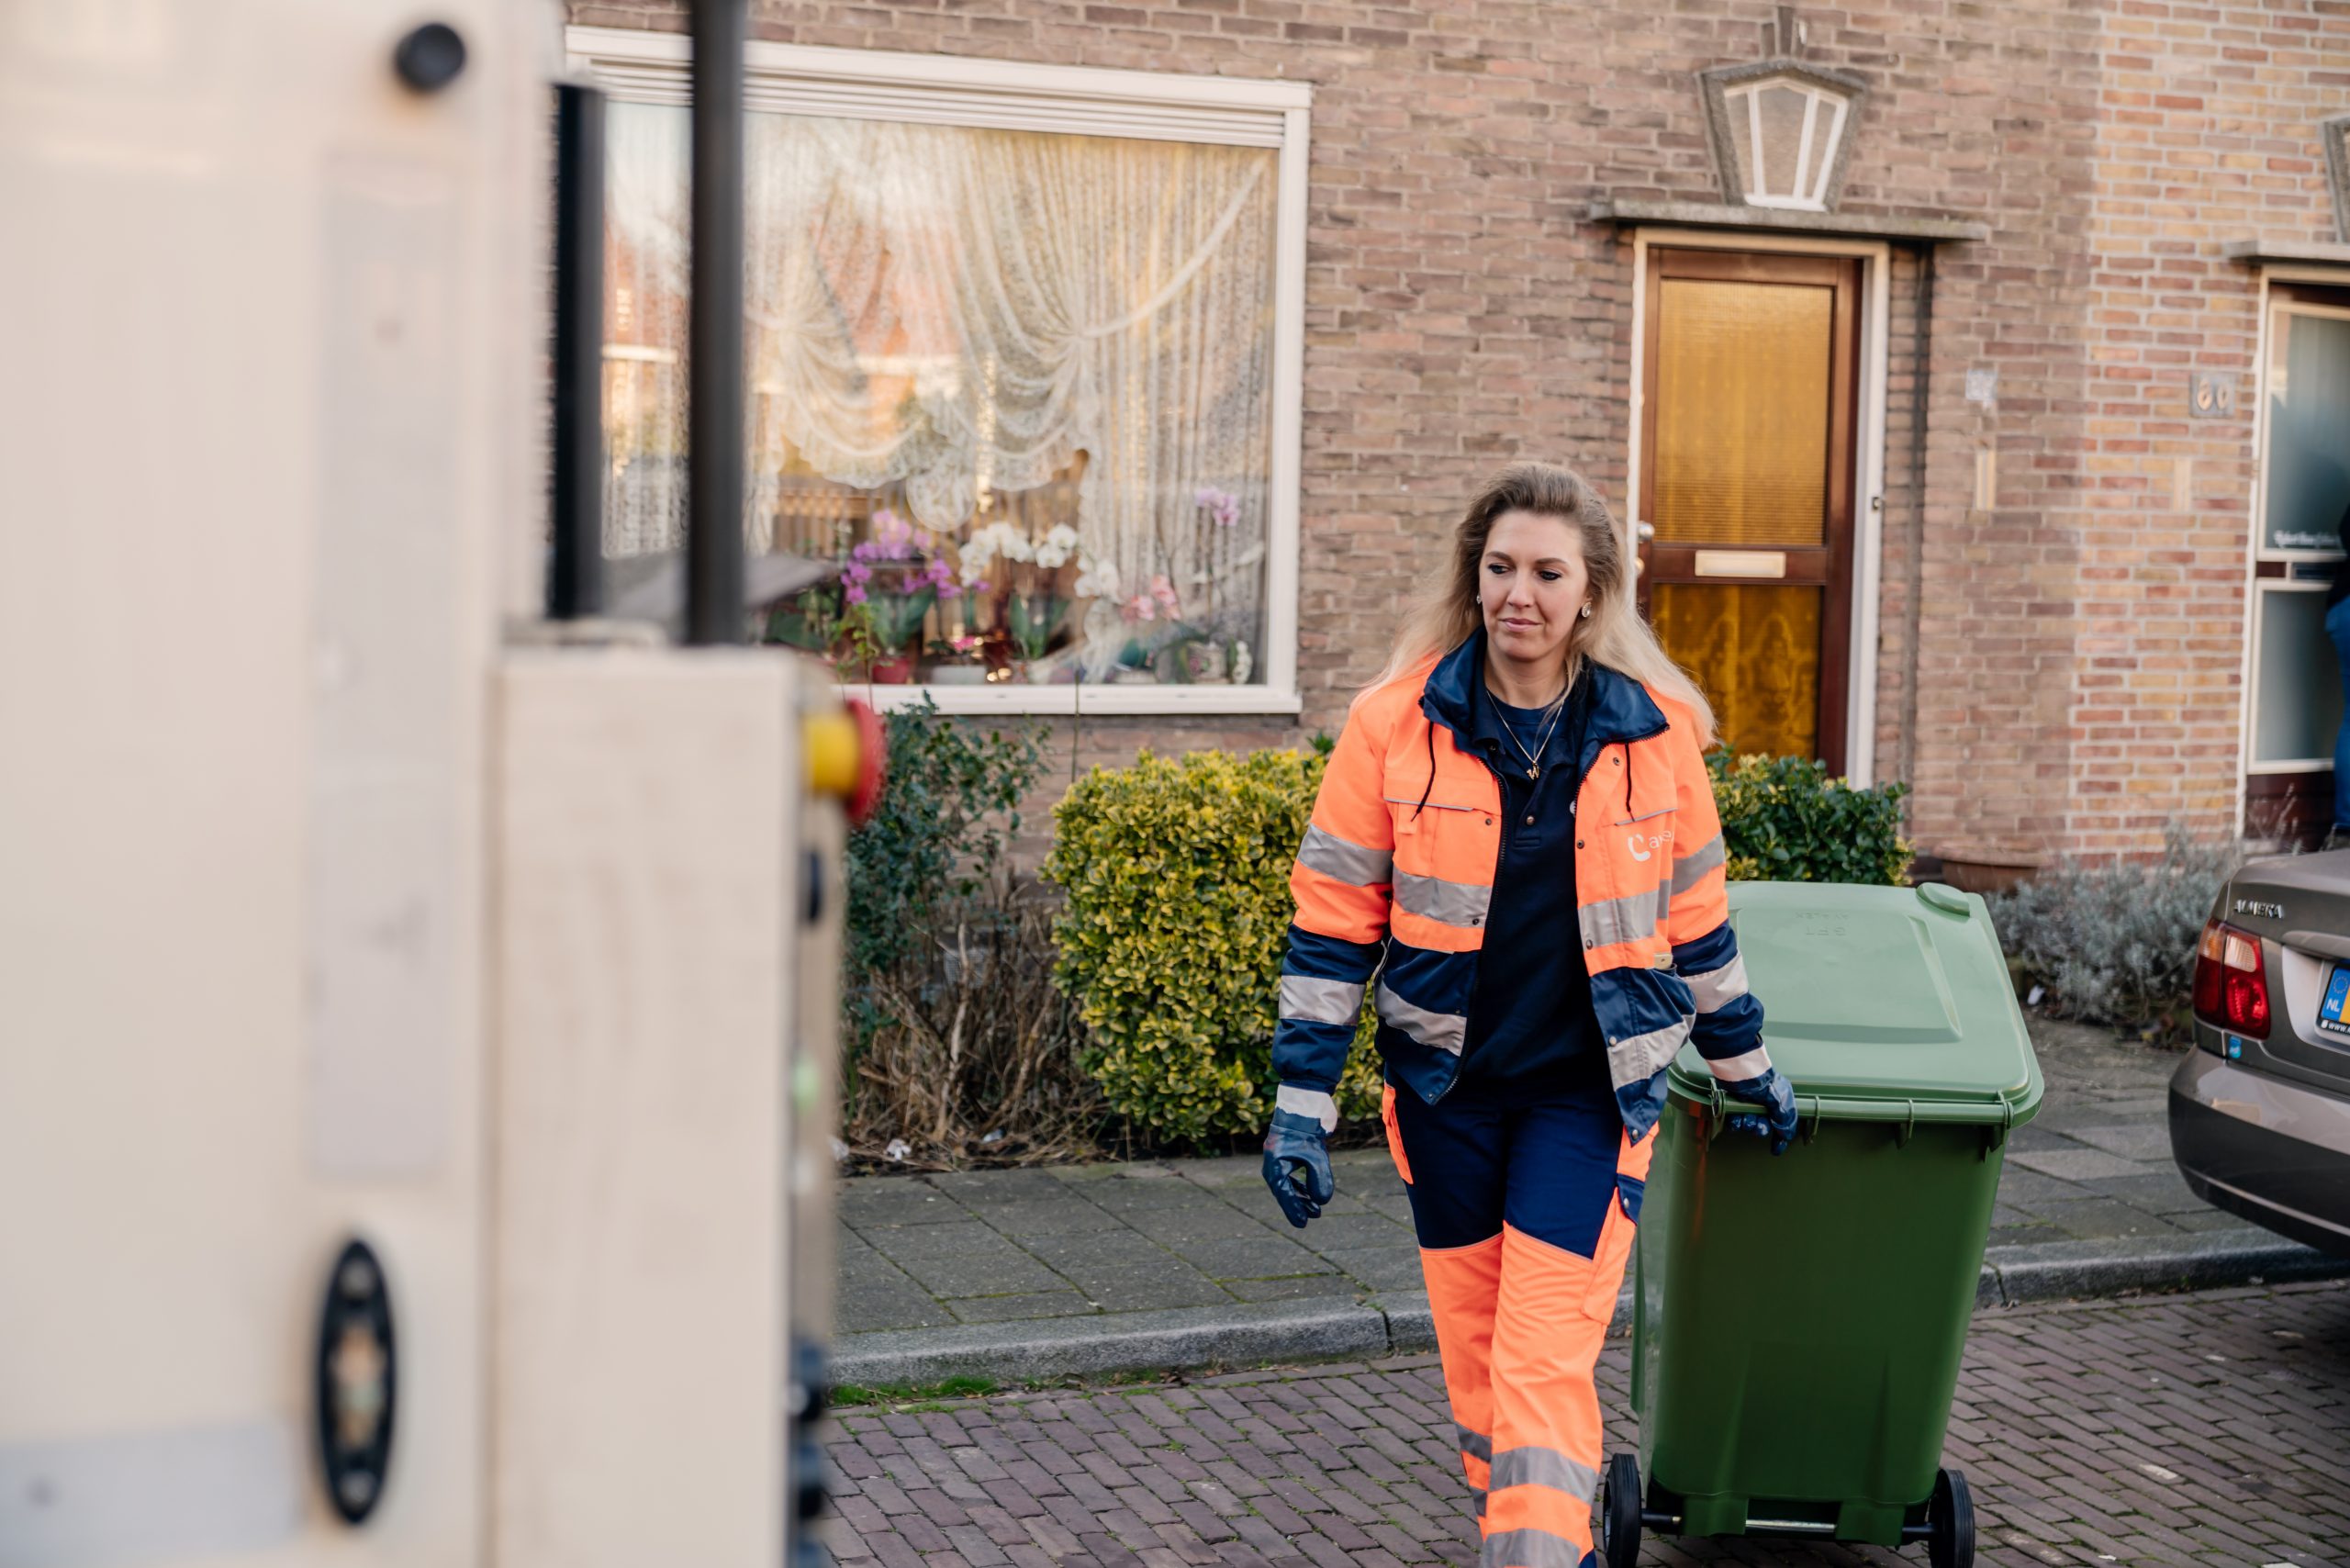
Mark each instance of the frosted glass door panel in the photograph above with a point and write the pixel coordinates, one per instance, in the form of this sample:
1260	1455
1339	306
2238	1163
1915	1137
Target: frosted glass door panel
1742	422
2308	431
2297	679
1756	653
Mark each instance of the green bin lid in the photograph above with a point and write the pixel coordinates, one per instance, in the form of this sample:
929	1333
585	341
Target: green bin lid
1880	1003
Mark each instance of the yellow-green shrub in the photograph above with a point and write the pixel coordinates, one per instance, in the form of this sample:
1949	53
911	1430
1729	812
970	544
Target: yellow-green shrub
1177	875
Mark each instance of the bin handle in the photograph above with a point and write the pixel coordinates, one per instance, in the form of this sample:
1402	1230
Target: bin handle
1817	1108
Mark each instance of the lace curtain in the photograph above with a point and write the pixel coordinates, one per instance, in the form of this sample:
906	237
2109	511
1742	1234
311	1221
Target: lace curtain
947	319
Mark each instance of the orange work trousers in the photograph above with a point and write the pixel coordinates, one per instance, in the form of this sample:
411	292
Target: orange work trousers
1525	1206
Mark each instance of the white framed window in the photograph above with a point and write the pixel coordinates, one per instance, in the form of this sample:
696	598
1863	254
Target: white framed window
2293	696
2305	404
1024	347
2296	697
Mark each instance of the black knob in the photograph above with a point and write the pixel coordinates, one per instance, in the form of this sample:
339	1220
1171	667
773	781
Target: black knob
810	1381
429	58
809	1477
357	1382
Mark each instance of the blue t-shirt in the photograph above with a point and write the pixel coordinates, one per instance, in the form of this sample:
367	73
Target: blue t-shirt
1531	1023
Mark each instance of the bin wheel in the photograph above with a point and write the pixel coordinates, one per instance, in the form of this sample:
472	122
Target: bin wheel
1619	1512
1951	1517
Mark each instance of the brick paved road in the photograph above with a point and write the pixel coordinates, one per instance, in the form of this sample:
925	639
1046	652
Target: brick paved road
2210	1429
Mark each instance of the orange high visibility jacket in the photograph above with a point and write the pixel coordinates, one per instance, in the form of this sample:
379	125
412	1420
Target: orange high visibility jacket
1396	873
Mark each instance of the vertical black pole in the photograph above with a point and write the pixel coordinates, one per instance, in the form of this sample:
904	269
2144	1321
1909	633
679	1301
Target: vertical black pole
576	565
714	468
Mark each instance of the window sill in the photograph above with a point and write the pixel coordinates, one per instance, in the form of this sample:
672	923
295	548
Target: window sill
1104	700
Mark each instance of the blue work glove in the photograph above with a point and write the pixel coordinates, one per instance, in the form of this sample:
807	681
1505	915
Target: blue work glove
1297	1166
1777	1098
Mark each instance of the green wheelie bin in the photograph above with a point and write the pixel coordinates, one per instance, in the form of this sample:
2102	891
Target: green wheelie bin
1799	1321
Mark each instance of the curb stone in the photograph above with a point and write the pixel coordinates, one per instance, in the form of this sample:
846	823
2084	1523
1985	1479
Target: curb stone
2055	1270
1126	1341
1400	1322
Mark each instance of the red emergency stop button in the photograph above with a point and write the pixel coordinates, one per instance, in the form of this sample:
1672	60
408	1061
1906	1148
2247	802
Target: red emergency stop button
846	750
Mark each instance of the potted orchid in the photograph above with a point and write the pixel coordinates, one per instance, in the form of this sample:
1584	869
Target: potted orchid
1036	607
1025	576
889	588
1205	658
1155	614
1162	643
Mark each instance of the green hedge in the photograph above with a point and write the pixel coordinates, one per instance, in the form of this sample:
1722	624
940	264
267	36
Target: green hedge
1784	820
1177	876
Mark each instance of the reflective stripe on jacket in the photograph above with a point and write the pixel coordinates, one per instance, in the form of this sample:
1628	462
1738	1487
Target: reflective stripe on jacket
1396	871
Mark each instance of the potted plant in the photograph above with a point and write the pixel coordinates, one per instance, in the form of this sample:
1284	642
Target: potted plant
1025	580
854	651
957	661
810	622
1155	616
891	585
1204	656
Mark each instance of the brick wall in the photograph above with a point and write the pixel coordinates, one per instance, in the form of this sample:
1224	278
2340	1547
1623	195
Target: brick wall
2058	670
2204	133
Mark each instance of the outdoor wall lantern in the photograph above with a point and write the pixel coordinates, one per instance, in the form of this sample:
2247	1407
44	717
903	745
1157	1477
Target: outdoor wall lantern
1782	132
2336	133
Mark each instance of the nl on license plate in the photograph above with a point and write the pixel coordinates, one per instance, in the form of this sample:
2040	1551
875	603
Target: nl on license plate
2337	991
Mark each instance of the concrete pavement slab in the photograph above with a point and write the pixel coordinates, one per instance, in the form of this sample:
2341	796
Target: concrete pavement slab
1064	1302
1262	1257
2098	1219
895	1200
1128	1272
2162	1191
2143	1140
1021	1218
2075	1163
1294	1287
963	1258
1379	1268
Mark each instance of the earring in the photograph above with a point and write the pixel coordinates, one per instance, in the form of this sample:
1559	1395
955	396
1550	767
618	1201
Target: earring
1586	612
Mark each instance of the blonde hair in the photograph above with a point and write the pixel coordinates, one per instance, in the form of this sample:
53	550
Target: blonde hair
1445	613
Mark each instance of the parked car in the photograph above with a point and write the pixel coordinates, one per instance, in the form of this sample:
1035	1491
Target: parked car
2260	1109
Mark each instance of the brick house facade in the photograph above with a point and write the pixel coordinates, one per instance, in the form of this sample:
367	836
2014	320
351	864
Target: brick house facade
2060	574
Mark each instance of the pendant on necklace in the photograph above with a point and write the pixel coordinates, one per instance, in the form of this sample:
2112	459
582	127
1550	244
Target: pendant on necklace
1534	772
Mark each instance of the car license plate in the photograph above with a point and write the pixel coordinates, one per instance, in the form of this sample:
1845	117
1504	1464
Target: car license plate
2337	992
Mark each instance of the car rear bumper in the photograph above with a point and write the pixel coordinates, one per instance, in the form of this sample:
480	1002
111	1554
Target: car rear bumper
2277	1153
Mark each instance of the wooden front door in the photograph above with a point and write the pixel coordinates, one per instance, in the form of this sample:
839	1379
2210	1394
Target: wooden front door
1751	375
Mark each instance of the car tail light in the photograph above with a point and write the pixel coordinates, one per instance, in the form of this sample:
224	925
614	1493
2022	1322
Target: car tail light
2232	981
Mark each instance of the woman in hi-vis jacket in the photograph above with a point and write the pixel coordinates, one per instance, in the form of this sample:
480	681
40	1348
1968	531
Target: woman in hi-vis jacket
1516	839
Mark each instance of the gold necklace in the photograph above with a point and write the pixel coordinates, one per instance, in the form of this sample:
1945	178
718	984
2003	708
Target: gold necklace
1558	711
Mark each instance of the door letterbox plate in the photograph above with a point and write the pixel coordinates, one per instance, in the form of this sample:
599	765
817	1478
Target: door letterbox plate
1741	562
